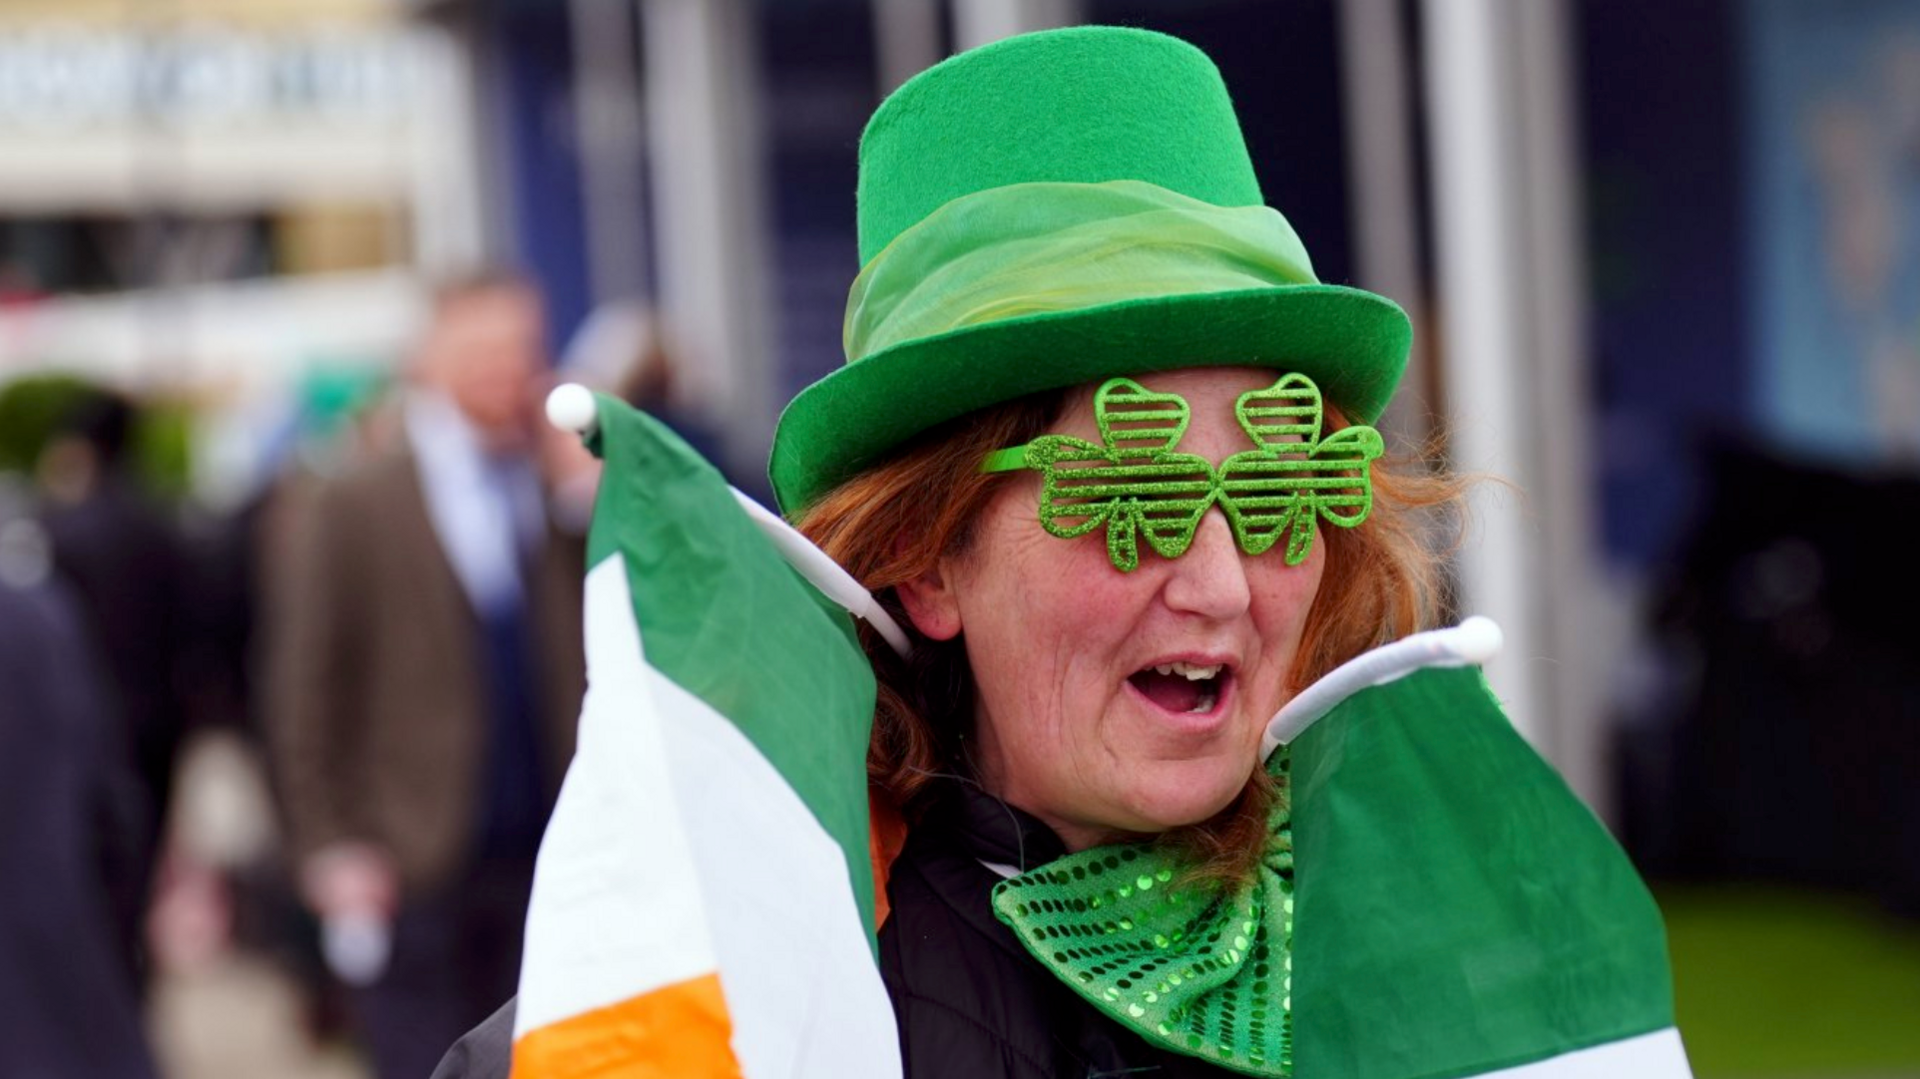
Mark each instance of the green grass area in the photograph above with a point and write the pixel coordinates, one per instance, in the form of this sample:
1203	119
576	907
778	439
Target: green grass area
1780	983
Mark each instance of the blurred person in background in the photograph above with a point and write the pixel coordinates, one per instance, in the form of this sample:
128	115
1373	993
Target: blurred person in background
424	670
626	349
119	552
71	815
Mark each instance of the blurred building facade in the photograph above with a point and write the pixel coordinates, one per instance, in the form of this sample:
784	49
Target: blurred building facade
206	199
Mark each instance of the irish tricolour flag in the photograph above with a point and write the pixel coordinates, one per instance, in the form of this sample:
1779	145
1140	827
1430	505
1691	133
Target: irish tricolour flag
1457	911
703	902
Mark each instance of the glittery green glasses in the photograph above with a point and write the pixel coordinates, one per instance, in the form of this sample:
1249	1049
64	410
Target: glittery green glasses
1134	482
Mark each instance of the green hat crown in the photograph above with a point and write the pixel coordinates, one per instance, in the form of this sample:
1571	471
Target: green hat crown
1056	209
1084	105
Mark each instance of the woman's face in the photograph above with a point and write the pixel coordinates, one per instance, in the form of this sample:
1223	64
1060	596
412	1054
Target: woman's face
1085	714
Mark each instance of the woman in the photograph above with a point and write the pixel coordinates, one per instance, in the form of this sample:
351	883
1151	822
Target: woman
1077	321
1073	309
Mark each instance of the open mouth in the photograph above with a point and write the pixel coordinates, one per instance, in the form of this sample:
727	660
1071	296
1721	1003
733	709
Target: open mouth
1183	688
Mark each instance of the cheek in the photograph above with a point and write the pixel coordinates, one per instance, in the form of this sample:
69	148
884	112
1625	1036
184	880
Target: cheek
1284	594
1283	597
1043	619
1050	618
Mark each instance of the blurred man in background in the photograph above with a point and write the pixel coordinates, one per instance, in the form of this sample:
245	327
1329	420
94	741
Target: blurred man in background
119	553
424	676
73	819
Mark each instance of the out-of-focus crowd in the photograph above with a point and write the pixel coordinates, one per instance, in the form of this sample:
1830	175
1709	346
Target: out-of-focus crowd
384	639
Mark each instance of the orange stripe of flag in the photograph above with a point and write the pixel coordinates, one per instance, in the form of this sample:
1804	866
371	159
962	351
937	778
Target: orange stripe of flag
680	1031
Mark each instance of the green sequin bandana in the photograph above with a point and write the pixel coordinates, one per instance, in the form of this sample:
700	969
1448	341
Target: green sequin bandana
1202	971
1135	482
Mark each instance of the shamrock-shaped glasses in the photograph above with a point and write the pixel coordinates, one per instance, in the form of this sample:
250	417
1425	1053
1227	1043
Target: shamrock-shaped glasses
1135	482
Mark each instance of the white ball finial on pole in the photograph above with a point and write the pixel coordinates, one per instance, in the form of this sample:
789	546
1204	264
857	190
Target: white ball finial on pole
1478	639
570	407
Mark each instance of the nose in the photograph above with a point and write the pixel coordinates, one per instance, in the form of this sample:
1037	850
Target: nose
1210	579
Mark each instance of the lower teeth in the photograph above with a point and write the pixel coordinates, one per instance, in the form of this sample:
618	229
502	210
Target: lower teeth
1204	704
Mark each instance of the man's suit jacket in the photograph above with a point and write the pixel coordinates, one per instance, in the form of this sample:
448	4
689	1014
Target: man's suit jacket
71	814
377	697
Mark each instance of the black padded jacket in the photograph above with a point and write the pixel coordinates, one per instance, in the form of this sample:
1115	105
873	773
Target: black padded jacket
971	1003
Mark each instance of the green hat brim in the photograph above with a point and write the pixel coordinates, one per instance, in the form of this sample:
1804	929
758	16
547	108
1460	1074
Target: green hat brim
1352	343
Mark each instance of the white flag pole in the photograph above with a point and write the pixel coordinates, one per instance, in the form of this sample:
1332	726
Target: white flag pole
1474	641
571	407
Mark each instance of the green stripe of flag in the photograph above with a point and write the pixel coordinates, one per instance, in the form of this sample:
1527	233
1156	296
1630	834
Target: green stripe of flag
724	617
1458	909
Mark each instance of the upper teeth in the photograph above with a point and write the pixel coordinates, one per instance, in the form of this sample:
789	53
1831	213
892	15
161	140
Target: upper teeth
1193	672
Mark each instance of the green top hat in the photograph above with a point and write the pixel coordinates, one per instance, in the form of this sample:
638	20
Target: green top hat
1054	209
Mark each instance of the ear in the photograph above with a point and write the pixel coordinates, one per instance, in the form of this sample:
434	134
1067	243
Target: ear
931	603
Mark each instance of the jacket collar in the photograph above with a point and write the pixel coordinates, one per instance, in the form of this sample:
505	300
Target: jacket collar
998	835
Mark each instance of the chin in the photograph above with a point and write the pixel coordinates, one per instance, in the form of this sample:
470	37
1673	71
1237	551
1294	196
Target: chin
1178	795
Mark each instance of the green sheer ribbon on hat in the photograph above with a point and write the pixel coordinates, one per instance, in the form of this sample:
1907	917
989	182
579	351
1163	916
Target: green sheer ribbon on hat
1032	248
1205	971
